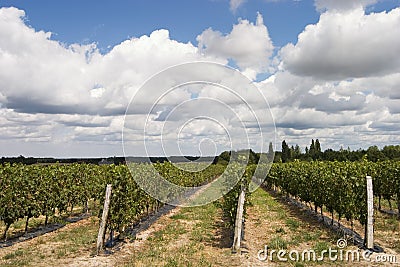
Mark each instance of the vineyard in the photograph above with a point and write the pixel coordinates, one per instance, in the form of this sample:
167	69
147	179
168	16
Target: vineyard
31	191
338	186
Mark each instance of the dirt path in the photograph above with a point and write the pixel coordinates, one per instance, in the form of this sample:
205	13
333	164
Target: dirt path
48	249
125	250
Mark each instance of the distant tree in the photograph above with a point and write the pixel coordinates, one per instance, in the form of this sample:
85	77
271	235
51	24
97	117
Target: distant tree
270	149
271	153
312	150
246	156
317	146
318	152
330	154
374	154
297	152
285	152
223	158
253	157
291	152
278	157
357	155
391	152
306	156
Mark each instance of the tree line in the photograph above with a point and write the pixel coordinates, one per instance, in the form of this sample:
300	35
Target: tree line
314	152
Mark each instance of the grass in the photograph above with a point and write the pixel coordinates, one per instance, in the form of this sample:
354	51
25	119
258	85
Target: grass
292	224
288	228
189	238
278	243
67	242
15	254
321	246
18	227
387	230
16	258
178	216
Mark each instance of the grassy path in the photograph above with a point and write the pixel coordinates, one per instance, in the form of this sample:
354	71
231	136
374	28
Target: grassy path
53	248
194	236
279	225
273	223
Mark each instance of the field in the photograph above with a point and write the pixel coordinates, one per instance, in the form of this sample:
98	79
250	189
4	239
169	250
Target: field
194	236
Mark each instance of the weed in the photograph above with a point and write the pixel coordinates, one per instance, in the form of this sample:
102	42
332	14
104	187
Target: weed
12	255
278	243
292	224
320	246
178	216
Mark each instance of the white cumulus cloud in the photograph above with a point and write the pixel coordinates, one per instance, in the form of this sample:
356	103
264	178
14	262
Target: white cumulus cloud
345	45
248	44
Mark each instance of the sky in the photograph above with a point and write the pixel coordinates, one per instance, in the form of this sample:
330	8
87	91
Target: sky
94	78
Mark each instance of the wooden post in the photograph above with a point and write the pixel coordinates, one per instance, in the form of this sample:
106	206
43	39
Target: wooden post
370	219
100	236
239	221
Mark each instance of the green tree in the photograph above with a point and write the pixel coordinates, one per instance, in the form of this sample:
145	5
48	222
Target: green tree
317	146
318	152
374	154
285	152
296	152
391	152
312	149
270	149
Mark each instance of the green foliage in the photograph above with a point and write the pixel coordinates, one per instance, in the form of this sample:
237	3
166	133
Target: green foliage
245	156
28	191
286	155
129	202
278	243
241	174
339	186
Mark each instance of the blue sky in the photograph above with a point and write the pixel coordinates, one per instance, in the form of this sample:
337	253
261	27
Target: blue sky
109	22
329	69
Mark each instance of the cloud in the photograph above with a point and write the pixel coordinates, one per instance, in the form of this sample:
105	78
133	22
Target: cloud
339	113
323	102
234	4
385	126
338	83
70	94
342	5
248	44
40	75
84	120
345	45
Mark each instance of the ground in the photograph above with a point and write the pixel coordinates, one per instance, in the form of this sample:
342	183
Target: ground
198	236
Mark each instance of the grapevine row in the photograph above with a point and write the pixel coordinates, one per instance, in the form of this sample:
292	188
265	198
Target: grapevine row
338	186
28	191
229	203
